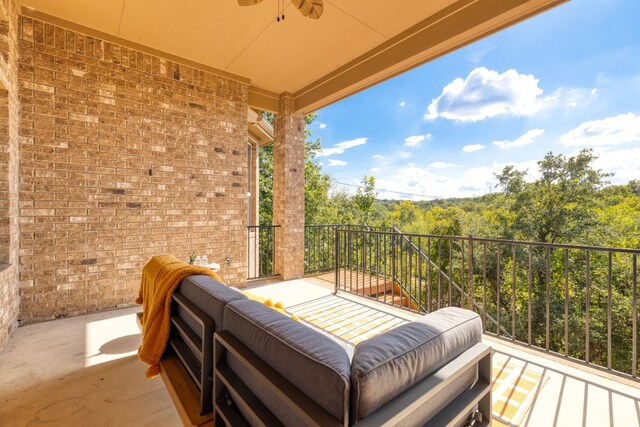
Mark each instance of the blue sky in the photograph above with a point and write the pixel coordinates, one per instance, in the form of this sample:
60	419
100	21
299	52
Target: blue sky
561	81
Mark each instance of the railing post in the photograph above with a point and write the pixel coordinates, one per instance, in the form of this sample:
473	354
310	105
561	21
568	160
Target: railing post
249	263
367	259
471	281
336	261
274	230
394	241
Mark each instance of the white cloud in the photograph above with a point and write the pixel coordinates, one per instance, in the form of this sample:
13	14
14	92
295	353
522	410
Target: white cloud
402	103
392	161
526	139
335	162
342	147
473	147
430	184
487	93
322	125
479	52
570	98
416	140
624	163
375	169
441	165
608	131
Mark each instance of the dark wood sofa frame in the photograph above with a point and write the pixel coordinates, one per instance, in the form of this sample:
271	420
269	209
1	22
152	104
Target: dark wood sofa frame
230	391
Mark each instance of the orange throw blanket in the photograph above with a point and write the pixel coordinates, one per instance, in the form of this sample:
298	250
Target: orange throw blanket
160	277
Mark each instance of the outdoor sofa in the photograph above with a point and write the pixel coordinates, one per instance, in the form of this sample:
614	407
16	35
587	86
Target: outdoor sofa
256	366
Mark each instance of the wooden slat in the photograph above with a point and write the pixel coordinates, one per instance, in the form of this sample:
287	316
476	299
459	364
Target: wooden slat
244	397
186	357
298	403
393	299
182	390
184	393
190	338
229	415
357	282
363	288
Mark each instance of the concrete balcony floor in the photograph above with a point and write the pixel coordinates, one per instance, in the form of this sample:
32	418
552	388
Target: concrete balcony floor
84	371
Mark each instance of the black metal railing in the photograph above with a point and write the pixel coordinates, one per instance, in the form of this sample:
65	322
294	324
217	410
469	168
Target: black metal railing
261	250
579	302
319	245
371	264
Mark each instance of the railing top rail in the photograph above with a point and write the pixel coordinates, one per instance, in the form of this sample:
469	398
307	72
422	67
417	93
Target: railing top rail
505	241
351	225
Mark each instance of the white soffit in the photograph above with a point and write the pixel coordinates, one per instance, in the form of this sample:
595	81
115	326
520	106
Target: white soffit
293	55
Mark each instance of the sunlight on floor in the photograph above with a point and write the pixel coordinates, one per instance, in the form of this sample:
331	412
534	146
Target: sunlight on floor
81	371
111	339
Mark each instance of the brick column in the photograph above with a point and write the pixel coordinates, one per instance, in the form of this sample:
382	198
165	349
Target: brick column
288	190
9	179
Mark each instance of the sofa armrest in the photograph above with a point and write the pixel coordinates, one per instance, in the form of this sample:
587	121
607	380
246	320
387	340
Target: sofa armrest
296	401
189	343
433	399
388	364
311	362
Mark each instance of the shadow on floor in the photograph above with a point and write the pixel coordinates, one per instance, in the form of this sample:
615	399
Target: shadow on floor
591	396
125	344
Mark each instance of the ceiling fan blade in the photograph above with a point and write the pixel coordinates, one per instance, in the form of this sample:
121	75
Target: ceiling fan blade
310	8
248	2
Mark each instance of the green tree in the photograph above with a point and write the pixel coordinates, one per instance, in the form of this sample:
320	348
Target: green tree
634	186
317	184
265	183
365	198
444	221
560	205
405	213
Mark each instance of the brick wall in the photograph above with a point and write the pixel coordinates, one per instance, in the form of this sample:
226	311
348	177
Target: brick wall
5	157
288	190
123	155
9	146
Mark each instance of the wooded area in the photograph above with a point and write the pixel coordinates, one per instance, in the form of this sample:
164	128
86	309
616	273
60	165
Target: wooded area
577	301
570	203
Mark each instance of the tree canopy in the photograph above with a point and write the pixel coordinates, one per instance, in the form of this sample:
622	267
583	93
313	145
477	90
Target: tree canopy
559	206
569	201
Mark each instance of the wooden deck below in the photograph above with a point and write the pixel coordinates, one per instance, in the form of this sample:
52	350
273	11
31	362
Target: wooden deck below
367	285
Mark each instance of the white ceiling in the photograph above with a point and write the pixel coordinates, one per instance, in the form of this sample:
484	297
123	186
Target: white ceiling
284	56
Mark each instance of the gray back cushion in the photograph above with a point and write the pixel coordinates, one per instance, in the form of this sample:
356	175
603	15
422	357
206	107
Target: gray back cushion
209	296
312	362
388	364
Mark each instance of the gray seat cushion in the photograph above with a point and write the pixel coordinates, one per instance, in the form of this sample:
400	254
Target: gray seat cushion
209	296
312	362
388	364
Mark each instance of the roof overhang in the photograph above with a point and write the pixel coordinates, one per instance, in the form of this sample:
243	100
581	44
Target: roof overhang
260	130
354	45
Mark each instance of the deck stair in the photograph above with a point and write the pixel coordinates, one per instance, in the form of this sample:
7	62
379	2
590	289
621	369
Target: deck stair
374	286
